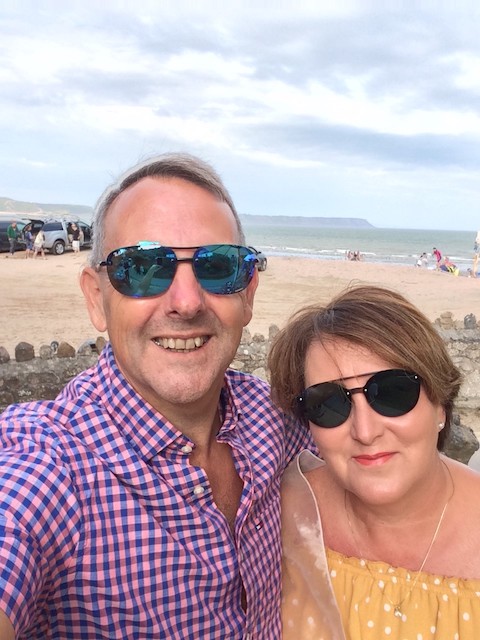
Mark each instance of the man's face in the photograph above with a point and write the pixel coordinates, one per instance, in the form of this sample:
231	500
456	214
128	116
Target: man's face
173	348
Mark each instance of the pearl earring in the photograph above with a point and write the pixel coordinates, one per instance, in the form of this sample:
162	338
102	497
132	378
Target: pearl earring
441	425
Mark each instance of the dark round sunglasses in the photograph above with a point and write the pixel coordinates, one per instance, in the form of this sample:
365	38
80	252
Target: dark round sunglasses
390	393
147	269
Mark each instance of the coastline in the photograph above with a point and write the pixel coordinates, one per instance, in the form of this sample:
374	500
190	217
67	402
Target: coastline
42	300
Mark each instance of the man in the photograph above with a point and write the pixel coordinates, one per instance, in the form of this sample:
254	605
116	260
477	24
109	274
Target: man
12	235
438	257
143	502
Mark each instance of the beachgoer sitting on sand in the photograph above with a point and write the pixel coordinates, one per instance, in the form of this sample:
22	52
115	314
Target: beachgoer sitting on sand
448	266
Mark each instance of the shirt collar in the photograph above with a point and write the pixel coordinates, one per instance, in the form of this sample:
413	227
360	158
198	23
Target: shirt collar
146	428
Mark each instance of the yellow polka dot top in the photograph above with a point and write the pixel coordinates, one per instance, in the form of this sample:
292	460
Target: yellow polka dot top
436	606
328	596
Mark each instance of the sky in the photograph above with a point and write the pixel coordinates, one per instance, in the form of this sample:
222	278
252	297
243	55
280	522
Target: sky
357	111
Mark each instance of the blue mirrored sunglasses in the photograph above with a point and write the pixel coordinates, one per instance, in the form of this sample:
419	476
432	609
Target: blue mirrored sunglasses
147	269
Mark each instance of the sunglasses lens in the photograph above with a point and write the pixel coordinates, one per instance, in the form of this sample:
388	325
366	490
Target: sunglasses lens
325	404
224	268
141	272
393	393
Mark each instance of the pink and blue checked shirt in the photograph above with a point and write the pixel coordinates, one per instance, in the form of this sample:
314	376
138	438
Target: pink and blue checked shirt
106	531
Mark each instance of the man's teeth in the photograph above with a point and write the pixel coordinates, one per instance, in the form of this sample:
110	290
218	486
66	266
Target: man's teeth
181	344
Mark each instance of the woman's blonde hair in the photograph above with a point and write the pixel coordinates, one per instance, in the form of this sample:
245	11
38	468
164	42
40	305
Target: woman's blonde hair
377	319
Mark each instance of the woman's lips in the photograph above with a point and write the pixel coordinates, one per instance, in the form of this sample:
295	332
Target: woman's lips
376	459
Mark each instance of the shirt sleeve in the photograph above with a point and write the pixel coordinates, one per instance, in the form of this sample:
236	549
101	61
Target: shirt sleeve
39	531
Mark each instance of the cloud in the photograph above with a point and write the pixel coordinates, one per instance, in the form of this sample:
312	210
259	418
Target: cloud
336	95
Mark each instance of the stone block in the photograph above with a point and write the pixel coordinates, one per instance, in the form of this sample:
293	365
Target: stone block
65	350
46	352
461	443
272	331
446	320
260	373
24	352
100	343
246	335
470	321
87	348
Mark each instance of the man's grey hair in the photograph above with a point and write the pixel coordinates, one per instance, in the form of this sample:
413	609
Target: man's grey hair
168	165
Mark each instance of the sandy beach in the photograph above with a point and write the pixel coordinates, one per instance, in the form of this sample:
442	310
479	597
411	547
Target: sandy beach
41	299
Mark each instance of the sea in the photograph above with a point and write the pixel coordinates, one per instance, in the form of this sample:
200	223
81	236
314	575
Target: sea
377	245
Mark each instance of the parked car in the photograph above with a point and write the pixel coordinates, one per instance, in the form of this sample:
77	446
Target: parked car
58	234
6	221
261	259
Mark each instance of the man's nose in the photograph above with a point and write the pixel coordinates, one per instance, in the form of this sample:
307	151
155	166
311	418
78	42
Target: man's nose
185	295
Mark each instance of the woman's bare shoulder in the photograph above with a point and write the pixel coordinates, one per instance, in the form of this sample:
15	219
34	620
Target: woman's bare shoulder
465	478
457	547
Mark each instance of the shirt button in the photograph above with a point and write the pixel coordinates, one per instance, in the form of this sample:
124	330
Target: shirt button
198	490
258	525
187	449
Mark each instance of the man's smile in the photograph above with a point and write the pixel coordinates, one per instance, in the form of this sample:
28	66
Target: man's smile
181	344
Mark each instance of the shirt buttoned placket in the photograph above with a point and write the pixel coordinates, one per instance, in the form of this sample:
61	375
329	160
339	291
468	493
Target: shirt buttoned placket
242	462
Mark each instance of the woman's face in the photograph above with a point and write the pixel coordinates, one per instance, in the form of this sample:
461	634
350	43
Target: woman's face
380	459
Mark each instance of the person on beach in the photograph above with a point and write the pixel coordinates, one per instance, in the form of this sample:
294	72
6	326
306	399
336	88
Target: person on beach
476	254
422	261
28	244
449	267
39	244
438	257
12	235
143	502
380	534
75	233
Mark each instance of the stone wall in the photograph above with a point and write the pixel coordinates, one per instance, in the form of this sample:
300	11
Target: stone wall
28	376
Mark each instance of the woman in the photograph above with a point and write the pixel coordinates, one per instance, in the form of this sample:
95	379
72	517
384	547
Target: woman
39	244
381	535
28	244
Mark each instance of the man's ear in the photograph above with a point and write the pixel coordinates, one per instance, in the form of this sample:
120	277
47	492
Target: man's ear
90	284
